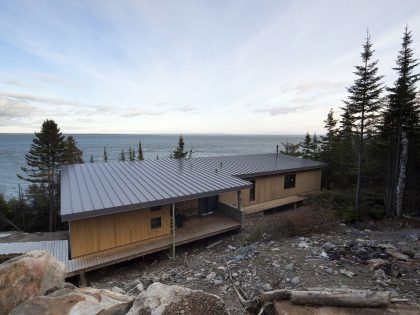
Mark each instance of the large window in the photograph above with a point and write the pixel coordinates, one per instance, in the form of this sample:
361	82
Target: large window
155	223
252	191
289	181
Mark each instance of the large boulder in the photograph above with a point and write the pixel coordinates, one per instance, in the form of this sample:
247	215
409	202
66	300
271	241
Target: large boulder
32	274
161	299
80	301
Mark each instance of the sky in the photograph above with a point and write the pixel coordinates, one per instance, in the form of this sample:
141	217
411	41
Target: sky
239	67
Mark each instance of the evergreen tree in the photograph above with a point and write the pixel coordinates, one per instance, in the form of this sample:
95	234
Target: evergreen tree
179	152
122	156
364	105
140	153
307	146
91	160
105	155
131	154
72	154
43	166
315	148
402	117
329	151
290	148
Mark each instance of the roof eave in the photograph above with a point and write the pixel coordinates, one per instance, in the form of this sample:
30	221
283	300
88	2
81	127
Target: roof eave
138	206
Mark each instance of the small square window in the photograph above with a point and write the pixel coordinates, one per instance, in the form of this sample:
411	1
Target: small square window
155	208
289	181
155	223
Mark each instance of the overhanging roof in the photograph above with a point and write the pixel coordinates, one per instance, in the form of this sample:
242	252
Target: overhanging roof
94	189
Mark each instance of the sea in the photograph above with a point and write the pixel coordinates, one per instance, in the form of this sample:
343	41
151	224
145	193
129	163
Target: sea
13	148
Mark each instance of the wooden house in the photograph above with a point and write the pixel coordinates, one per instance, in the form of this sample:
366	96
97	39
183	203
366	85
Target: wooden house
158	204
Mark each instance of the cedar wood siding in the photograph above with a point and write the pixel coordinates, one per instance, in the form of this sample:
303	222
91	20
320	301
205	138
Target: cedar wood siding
99	233
272	187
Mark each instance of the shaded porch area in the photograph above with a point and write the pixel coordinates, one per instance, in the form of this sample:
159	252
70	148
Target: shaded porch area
193	229
259	207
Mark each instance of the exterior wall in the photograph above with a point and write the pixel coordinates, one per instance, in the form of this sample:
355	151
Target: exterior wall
272	187
104	232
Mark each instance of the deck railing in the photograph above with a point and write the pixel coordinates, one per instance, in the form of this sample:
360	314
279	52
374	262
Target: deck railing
231	212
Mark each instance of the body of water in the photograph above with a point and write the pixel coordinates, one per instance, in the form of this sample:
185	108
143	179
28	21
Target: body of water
13	148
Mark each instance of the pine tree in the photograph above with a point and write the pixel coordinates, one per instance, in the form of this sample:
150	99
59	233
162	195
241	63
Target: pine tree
140	153
290	148
306	146
402	117
315	148
44	159
72	154
329	150
122	156
179	152
105	155
91	160
131	154
364	105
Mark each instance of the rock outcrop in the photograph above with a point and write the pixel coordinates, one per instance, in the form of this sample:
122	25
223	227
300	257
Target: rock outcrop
81	301
33	274
161	299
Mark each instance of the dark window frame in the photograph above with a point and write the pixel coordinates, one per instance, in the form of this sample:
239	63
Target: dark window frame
252	190
289	181
156	223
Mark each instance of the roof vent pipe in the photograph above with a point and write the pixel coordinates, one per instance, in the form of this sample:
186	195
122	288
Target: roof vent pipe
277	149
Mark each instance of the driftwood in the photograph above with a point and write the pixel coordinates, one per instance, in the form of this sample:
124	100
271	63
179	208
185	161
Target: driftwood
214	244
349	298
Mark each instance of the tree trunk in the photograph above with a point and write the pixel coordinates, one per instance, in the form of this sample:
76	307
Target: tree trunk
348	298
402	175
359	164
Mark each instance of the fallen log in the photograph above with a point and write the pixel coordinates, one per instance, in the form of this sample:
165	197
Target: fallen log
275	295
350	298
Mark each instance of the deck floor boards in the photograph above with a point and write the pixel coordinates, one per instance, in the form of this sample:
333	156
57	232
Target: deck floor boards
194	229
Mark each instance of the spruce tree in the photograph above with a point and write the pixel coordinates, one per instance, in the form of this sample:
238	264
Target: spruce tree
346	155
43	165
329	149
122	156
402	119
179	152
364	105
105	155
315	148
72	154
306	146
140	153
131	154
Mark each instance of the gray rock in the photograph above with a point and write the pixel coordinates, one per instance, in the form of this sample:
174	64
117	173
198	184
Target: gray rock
329	270
347	273
267	287
140	287
290	267
296	281
117	290
211	276
380	275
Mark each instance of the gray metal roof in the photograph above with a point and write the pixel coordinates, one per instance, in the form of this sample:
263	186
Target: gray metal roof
94	189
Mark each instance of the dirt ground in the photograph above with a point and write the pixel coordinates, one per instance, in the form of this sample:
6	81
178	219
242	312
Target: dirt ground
377	256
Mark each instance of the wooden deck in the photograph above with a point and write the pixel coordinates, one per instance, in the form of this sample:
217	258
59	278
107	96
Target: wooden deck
194	229
259	207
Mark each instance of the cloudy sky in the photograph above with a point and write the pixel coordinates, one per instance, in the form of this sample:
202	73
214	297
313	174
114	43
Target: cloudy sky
189	66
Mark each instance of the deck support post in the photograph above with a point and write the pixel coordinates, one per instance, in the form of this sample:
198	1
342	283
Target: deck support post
173	231
82	280
238	194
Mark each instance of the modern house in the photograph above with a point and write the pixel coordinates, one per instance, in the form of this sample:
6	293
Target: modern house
128	209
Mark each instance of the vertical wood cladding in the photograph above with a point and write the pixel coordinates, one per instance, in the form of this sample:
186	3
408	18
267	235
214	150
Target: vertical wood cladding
272	187
104	232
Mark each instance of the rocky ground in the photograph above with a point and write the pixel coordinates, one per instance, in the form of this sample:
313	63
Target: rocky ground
375	256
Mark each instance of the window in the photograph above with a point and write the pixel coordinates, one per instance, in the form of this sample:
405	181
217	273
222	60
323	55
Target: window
252	191
155	208
155	223
289	181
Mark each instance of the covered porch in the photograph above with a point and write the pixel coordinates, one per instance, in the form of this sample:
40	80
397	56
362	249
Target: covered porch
194	228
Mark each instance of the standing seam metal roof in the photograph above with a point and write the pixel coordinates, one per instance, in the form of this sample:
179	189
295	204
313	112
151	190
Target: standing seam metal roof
102	188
